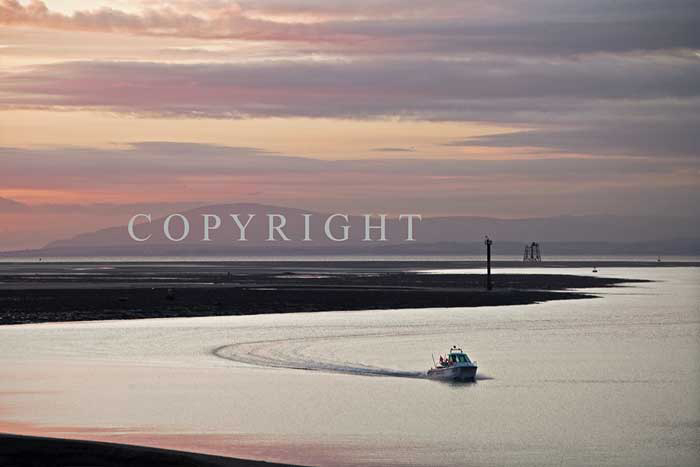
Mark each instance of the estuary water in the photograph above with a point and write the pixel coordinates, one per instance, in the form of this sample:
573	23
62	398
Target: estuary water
613	381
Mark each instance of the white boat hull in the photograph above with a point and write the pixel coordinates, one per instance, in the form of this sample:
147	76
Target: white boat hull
454	373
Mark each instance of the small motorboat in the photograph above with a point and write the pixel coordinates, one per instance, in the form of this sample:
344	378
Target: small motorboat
455	367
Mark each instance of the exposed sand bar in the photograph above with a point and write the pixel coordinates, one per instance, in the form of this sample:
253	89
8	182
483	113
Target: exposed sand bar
99	291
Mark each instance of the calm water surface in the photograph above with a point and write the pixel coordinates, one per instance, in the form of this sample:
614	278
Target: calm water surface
607	381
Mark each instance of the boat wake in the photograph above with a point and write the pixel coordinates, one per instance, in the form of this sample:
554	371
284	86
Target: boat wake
288	353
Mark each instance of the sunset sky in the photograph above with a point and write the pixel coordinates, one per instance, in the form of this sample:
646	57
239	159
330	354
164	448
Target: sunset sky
500	108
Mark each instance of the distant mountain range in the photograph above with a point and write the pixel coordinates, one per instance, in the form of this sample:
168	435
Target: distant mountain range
10	205
603	234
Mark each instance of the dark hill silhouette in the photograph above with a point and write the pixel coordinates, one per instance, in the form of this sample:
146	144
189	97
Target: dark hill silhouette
10	205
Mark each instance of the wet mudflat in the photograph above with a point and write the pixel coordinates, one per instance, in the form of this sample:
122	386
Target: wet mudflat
44	293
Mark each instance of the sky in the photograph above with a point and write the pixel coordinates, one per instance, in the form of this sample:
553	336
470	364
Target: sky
499	108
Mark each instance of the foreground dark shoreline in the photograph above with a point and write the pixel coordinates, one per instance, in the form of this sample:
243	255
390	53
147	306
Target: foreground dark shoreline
34	451
31	293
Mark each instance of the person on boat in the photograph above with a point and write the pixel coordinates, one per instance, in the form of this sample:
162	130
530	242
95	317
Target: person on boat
442	362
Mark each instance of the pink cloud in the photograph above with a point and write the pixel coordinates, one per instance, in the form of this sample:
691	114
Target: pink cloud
221	22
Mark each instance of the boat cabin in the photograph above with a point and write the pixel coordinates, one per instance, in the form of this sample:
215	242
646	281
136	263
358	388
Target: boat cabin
456	355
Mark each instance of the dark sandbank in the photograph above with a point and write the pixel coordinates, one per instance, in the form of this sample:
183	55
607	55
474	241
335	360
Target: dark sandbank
33	451
33	293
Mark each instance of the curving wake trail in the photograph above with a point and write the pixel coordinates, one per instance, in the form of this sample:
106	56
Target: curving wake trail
289	353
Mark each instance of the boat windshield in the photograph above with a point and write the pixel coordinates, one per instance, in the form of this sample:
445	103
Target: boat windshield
460	357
